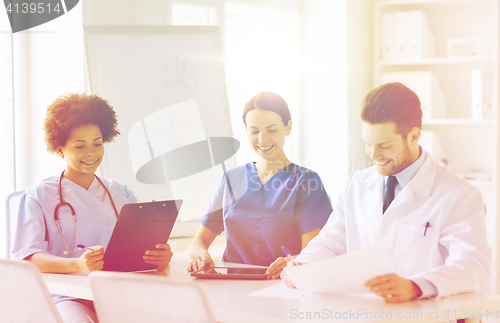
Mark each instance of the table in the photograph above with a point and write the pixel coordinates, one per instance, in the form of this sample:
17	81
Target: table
230	301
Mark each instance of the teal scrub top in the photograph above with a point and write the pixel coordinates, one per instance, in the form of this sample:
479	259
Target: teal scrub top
259	219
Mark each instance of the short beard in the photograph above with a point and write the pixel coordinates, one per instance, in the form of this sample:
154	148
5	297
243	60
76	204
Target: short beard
407	160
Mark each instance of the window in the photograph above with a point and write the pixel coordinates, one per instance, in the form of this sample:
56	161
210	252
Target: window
192	14
40	64
48	62
260	48
261	54
295	48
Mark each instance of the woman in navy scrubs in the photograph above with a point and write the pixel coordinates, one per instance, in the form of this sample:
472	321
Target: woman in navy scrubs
266	204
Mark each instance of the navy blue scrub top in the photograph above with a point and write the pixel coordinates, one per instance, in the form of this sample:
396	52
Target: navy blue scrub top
259	219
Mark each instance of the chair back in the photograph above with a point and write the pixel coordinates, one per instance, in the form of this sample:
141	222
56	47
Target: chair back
134	297
11	209
24	297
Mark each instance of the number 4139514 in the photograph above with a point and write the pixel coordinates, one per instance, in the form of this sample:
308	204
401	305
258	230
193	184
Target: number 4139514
33	8
470	313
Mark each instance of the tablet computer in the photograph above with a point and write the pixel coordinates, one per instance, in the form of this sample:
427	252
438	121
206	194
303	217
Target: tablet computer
140	227
251	273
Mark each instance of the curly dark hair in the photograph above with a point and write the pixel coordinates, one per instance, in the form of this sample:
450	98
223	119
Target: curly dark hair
73	110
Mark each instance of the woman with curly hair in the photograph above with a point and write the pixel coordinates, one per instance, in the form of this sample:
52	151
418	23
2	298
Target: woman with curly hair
75	207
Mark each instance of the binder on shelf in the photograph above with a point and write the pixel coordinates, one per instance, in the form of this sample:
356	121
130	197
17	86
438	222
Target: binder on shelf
388	49
477	94
406	35
401	33
426	86
488	93
420	39
481	94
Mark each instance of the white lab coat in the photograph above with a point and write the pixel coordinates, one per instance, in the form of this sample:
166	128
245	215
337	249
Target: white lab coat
453	255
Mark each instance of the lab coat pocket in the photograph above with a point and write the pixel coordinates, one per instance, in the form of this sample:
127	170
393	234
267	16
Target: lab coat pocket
414	249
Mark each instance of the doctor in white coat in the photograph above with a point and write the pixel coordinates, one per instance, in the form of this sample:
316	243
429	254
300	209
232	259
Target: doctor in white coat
432	236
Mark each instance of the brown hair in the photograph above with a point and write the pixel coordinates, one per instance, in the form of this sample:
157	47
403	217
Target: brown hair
393	102
268	101
74	110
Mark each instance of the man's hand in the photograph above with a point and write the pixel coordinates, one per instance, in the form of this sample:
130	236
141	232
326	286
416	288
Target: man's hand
285	278
394	289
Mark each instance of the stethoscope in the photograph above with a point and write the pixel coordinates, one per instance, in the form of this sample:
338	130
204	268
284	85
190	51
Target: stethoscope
61	203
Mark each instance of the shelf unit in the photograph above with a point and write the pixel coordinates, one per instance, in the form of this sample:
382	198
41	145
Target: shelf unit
438	61
470	144
458	122
481	183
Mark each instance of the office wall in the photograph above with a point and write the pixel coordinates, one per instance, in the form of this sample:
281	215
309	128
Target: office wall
360	74
48	61
324	140
321	124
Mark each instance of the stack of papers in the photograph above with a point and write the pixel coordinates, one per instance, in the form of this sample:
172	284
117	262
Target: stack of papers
345	274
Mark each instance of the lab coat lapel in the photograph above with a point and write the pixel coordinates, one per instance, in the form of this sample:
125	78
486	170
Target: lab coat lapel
420	184
423	181
404	197
375	189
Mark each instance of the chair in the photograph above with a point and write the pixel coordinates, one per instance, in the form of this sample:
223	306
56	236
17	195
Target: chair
11	208
24	297
132	297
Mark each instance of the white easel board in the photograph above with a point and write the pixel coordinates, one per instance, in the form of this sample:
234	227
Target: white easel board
141	70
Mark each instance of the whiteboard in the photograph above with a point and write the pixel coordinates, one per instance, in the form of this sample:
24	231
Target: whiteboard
145	73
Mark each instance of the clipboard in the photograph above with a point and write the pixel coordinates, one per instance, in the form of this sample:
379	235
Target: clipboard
140	227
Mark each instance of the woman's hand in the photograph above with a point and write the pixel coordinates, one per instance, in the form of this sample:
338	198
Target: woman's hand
200	262
91	260
198	249
159	257
274	270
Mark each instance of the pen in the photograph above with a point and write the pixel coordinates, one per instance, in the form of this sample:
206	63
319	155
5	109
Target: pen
78	247
82	246
289	255
426	226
